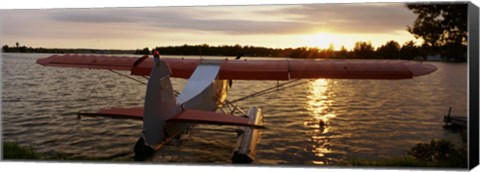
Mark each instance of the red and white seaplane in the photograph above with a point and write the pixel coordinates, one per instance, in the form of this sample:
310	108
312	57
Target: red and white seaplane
166	116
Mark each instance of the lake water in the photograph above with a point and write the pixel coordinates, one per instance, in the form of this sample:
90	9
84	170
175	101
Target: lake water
367	119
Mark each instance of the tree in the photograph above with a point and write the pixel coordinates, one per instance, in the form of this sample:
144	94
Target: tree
330	51
409	51
363	50
390	50
298	52
442	26
144	51
5	48
313	53
343	53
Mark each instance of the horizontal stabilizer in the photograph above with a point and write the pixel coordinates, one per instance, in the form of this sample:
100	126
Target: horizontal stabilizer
125	113
207	117
186	116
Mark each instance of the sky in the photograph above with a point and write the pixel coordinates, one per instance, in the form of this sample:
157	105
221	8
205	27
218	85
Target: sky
275	26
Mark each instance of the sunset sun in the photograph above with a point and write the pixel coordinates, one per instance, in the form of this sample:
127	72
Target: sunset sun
322	40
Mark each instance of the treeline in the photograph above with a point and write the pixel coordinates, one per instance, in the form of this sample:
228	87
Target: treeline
224	50
361	50
25	49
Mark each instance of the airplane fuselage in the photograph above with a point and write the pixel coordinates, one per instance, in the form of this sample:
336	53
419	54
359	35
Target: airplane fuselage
210	99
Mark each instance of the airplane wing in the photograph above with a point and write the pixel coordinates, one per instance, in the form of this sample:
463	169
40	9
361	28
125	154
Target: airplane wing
254	69
186	116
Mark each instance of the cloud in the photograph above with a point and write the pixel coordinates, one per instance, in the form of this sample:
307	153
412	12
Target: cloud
344	18
90	16
355	18
182	18
103	23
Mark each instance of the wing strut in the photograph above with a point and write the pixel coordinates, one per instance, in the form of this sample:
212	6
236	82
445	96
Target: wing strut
278	87
129	77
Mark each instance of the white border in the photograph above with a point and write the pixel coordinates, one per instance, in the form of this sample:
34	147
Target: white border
53	166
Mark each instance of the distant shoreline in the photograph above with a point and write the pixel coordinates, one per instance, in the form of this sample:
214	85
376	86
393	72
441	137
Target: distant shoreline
251	51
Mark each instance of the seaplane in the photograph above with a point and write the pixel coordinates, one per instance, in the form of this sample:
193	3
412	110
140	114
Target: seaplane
168	114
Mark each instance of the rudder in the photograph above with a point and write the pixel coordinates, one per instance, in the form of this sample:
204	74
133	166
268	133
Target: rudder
160	103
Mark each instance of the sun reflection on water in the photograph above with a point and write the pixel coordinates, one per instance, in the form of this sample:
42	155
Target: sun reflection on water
320	100
319	105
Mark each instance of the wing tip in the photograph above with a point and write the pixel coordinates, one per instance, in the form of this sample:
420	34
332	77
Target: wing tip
419	69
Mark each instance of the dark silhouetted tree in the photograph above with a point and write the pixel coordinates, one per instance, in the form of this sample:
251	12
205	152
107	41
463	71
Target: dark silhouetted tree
442	26
363	50
5	48
343	53
409	51
330	51
389	51
145	51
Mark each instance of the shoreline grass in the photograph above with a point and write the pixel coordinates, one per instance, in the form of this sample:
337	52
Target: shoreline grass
435	154
15	152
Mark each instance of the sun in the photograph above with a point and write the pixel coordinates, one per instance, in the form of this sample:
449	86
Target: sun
322	40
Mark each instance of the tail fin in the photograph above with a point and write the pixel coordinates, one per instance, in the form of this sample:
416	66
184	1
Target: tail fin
160	103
